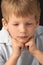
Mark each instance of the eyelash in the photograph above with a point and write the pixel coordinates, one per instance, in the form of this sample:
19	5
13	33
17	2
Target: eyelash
15	24
25	24
28	23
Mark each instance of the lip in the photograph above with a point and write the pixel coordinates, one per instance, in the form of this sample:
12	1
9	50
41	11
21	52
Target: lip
22	36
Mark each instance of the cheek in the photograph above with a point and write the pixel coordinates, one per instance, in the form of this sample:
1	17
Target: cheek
31	30
12	31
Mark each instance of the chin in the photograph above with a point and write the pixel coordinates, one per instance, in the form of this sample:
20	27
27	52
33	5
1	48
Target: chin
23	42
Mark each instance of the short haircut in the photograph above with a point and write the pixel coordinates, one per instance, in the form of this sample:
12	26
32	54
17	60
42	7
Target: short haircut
20	8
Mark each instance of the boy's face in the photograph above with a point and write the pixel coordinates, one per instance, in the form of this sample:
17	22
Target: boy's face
21	28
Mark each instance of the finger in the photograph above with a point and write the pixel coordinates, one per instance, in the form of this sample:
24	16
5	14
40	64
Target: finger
20	45
30	43
17	43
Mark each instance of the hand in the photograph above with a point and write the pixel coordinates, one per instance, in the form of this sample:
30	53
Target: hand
31	45
16	48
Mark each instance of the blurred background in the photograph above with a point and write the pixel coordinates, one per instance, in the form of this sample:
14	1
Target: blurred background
41	17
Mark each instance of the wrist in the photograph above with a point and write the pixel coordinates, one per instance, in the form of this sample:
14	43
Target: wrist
35	52
14	57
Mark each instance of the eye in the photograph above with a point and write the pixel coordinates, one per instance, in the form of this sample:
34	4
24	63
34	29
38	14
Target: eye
16	24
29	23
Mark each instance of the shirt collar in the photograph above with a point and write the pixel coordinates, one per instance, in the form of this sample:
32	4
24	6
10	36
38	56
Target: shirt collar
5	37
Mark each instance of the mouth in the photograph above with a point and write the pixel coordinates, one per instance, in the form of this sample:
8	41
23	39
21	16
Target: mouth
23	37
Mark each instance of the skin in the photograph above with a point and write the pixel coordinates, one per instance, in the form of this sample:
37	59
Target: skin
21	30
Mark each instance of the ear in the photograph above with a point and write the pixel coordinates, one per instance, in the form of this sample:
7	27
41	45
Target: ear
4	23
37	23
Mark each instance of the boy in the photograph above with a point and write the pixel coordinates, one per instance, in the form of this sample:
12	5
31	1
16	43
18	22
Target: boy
19	43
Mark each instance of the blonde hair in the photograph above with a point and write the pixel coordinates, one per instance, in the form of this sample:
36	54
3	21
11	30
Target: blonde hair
20	8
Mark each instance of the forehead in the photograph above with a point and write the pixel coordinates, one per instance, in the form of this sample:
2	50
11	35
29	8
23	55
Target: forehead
26	18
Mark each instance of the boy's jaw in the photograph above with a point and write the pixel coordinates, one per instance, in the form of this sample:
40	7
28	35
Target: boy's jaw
24	39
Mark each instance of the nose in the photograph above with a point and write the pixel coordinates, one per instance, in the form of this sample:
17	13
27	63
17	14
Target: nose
22	28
